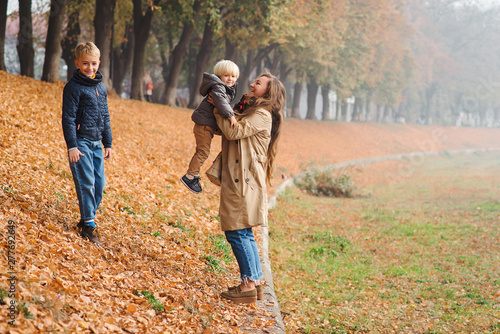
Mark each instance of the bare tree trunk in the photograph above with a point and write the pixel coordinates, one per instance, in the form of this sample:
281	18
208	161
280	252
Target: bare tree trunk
206	47
245	70
356	109
284	71
297	91
25	39
53	41
482	113
312	92
400	115
165	41
3	23
177	57
364	109
274	62
344	109
142	26
190	61
122	59
429	96
367	108
380	113
404	106
338	109
325	91
103	26
258	68
383	117
457	104
231	51
70	40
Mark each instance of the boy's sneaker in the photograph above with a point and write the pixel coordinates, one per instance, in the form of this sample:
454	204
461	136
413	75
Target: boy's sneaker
193	185
90	233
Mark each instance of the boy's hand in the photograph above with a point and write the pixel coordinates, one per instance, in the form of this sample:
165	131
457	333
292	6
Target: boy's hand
234	122
107	153
74	155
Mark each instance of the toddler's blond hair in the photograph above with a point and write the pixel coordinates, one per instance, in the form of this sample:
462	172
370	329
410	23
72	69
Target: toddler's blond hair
226	67
87	48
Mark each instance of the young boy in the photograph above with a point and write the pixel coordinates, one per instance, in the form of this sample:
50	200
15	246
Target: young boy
222	89
85	122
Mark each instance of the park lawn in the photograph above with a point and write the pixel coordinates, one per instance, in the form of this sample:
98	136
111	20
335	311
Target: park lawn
415	253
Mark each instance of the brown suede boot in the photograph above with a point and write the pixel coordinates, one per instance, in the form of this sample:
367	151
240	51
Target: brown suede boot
240	297
259	288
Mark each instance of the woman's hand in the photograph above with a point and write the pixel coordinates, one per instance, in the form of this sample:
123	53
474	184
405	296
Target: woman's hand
234	122
209	99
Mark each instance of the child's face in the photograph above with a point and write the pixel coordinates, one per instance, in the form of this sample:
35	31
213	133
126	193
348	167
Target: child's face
228	79
88	64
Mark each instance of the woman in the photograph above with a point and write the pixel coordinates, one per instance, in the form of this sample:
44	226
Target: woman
248	154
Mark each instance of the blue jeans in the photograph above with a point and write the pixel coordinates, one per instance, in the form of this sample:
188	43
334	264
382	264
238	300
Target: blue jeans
88	174
245	250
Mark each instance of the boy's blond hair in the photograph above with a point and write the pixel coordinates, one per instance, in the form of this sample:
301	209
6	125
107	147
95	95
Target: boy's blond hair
87	48
226	67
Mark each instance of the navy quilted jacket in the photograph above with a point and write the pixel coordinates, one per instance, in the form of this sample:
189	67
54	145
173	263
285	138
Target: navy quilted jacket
85	112
222	95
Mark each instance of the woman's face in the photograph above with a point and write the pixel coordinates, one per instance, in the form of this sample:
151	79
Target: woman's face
259	87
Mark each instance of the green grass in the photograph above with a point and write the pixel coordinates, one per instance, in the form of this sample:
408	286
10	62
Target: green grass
153	301
213	263
221	247
127	209
220	253
178	224
421	254
25	311
3	294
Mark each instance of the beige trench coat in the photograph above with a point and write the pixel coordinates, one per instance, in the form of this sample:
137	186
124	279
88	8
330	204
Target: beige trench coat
243	199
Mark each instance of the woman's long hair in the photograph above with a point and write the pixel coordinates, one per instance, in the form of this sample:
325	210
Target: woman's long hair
273	101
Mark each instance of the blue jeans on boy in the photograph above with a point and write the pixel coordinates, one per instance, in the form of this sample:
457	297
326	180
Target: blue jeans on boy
88	174
245	250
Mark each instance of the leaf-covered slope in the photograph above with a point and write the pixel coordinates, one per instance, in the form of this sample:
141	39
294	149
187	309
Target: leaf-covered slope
158	237
155	232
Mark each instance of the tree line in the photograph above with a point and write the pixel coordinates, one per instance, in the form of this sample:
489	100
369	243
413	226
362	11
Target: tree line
365	60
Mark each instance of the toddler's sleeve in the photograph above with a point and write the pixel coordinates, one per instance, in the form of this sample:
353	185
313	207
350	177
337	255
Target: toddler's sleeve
221	101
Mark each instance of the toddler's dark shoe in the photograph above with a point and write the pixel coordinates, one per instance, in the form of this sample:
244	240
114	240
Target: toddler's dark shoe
90	233
193	185
240	297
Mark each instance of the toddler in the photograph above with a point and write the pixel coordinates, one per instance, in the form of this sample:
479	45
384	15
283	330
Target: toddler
221	88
